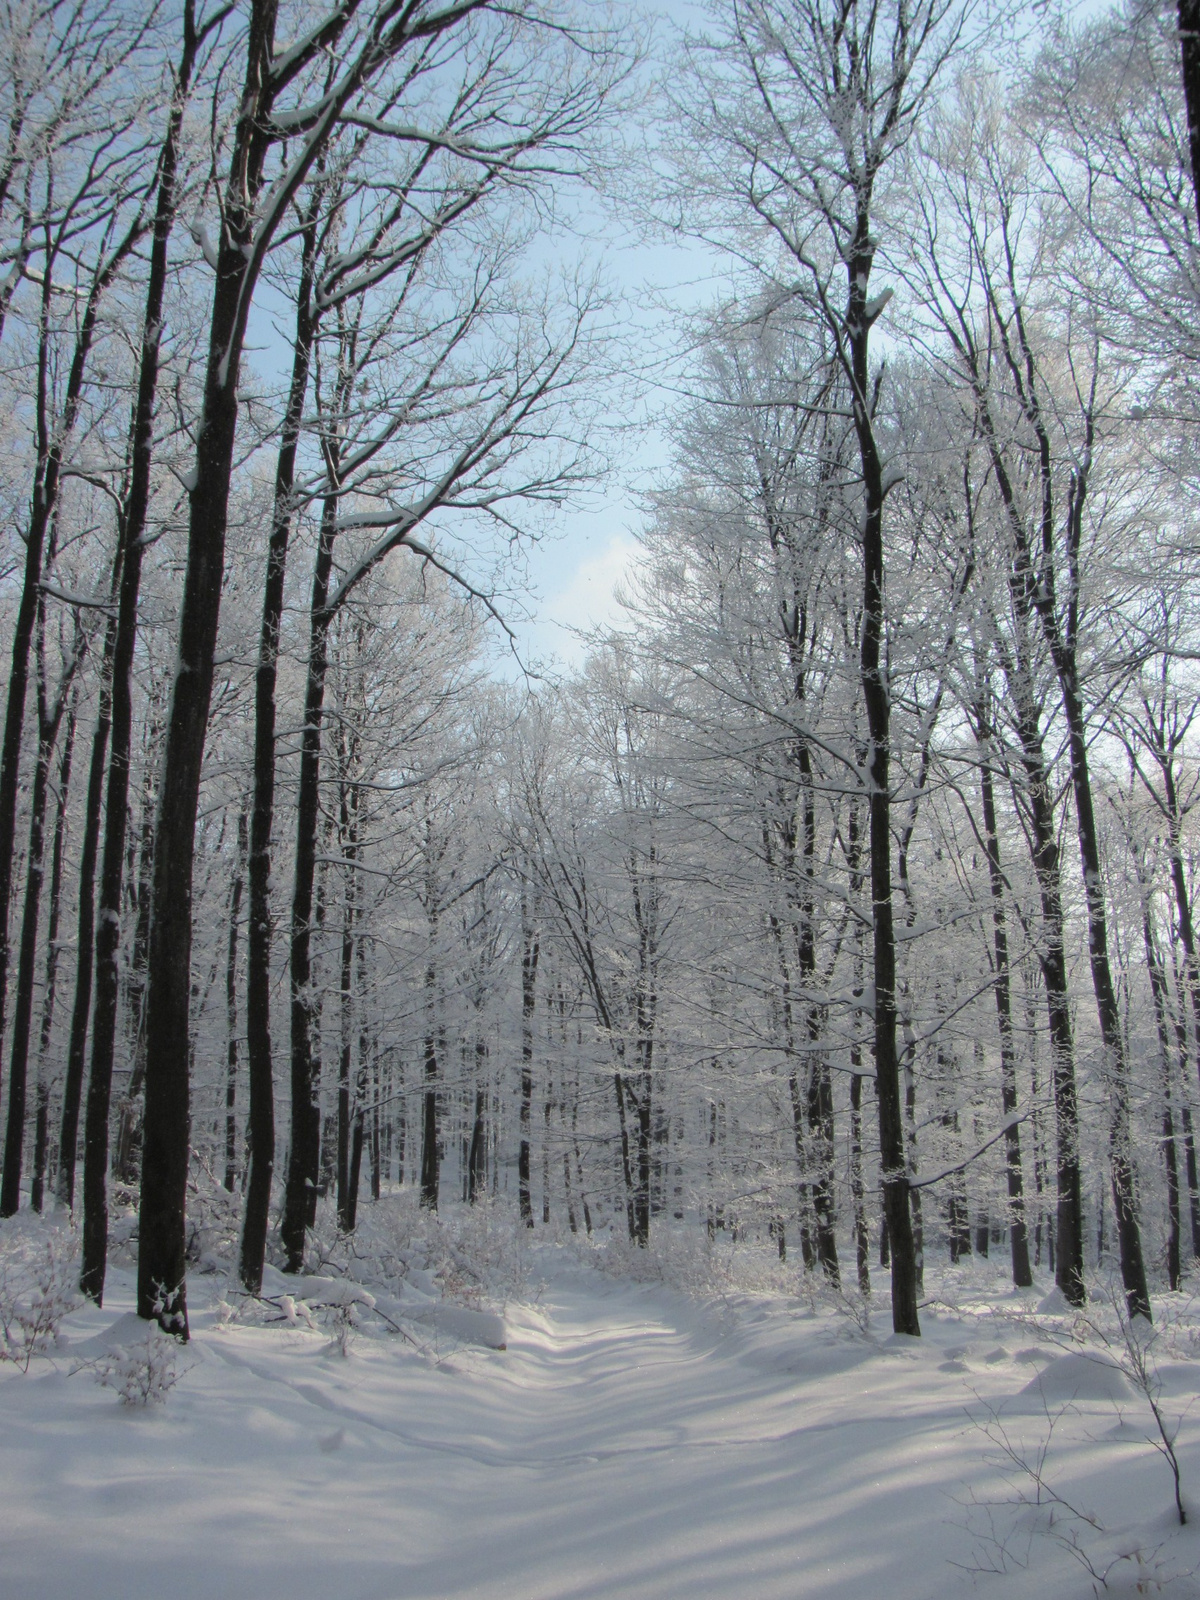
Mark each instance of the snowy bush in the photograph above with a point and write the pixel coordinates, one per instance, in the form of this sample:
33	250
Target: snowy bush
477	1255
143	1373
37	1290
695	1264
213	1220
484	1254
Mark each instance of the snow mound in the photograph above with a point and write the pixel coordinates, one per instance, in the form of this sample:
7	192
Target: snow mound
1080	1377
332	1292
468	1326
1055	1304
124	1330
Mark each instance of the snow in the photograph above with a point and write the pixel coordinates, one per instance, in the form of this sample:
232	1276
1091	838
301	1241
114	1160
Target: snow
631	1441
1080	1377
207	248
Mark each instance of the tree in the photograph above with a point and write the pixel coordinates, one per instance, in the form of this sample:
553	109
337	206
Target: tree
800	114
349	66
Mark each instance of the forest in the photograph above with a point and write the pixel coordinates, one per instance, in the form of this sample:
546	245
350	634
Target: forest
842	900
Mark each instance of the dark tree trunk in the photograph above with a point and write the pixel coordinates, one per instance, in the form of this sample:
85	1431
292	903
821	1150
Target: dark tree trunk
376	1141
529	964
818	1109
1033	586
245	238
345	1133
1022	1274
161	1239
355	1175
85	924
41	1144
231	1034
53	432
49	721
1043	838
1193	1177
10	1188
127	1158
1158	993
430	1155
877	699
862	1232
547	1108
304	1160
1129	1237
1068	1228
1189	46
1183	903
132	544
477	1155
258	932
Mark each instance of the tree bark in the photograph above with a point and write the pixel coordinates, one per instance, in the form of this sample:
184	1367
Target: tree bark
231	1016
1189	50
127	1157
132	543
1129	1237
161	1262
530	946
49	722
1158	994
86	921
345	1133
52	436
304	1161
877	698
258	931
1018	1232
41	1143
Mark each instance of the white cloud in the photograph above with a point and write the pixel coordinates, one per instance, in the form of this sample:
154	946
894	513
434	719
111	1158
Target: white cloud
588	601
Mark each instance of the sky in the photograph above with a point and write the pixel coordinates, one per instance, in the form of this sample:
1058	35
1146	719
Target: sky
578	561
562	584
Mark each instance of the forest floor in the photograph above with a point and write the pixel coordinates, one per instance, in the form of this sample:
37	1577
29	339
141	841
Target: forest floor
633	1440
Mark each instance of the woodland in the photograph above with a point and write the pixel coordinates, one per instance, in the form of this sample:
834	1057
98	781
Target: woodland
842	900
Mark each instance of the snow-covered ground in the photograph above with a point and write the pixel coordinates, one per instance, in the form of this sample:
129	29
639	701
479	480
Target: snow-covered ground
630	1441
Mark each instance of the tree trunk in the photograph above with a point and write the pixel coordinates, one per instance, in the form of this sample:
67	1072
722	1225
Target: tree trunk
49	990
1068	1228
1189	47
52	435
49	721
430	1155
304	1161
231	1036
1129	1237
133	531
1158	994
530	946
877	698
477	1155
258	931
1018	1233
344	1130
86	922
127	1158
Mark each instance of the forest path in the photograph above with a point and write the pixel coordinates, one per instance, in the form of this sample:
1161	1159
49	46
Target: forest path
627	1445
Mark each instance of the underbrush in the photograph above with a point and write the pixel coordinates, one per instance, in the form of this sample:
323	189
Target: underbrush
722	1268
475	1255
39	1266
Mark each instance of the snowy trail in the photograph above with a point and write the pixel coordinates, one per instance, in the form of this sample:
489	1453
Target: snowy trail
626	1444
